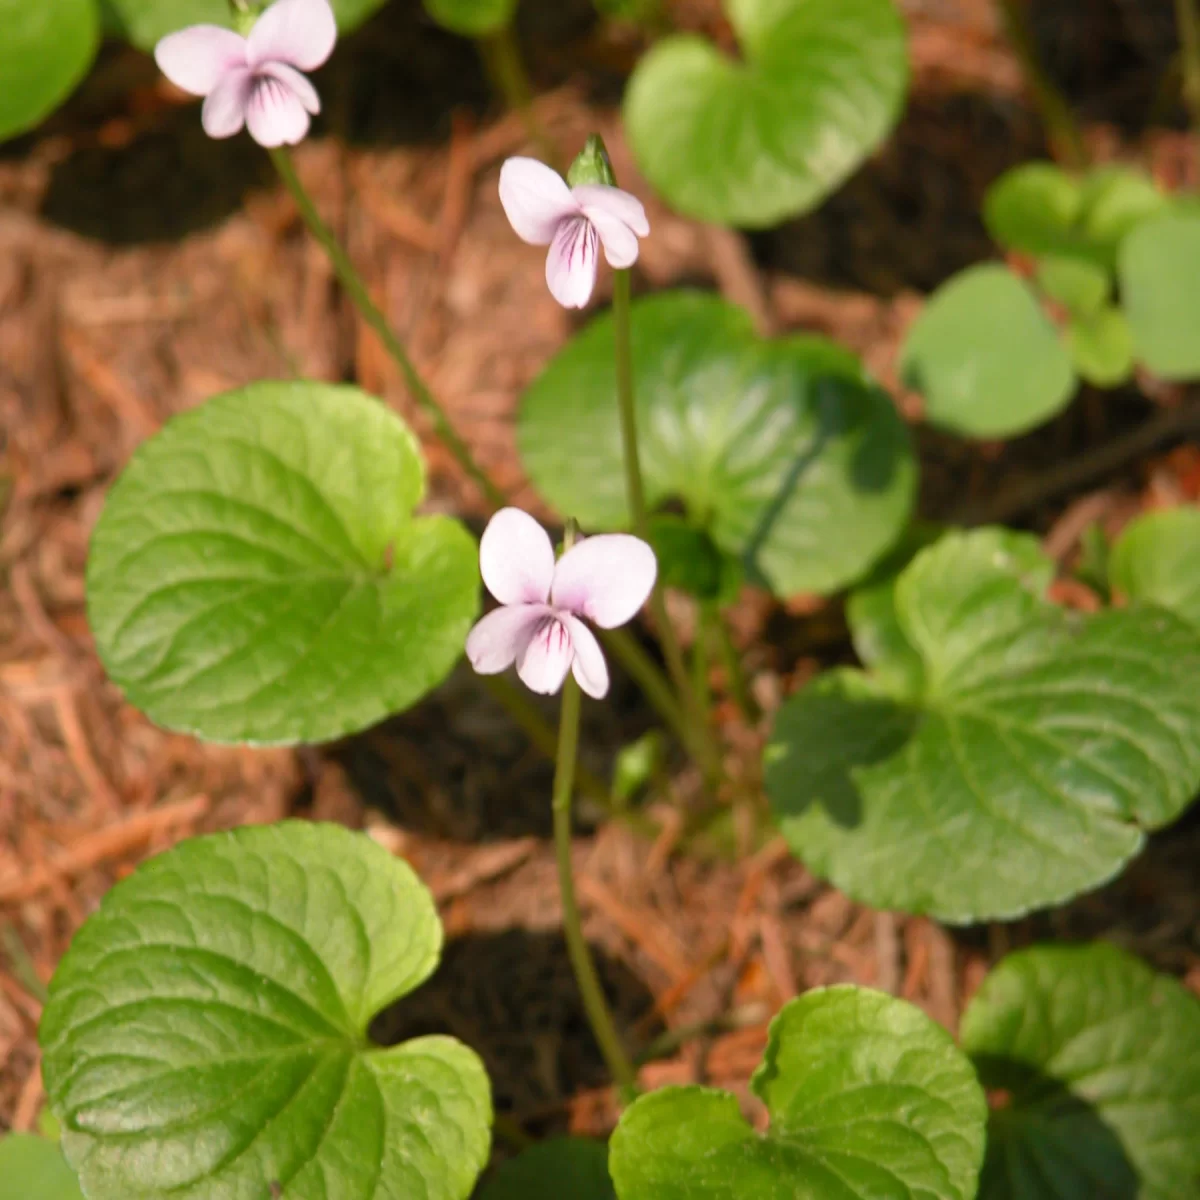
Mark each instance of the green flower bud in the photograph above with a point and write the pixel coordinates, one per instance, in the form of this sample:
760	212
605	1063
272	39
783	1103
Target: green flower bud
592	164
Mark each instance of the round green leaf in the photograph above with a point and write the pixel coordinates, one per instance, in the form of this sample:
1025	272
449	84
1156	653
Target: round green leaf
1101	346
33	1168
1033	208
472	18
1080	286
782	451
1113	201
986	358
750	143
206	1033
562	1167
1041	747
145	22
1160	286
1098	1062
45	50
257	574
868	1098
1039	209
1157	560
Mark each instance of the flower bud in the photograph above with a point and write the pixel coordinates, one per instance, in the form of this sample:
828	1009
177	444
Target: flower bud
592	165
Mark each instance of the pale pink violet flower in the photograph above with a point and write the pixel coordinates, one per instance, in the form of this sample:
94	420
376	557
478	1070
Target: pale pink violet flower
254	81
574	222
538	626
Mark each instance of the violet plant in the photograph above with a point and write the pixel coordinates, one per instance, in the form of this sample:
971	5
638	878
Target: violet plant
262	574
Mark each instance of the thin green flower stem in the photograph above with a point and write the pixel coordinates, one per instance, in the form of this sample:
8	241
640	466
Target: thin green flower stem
1061	127
645	673
356	289
501	54
698	740
360	296
541	733
700	657
1187	18
596	1007
734	675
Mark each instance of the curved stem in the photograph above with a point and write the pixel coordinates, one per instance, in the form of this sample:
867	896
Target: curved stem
734	675
501	54
356	289
1187	19
541	733
647	674
1061	126
594	1004
699	740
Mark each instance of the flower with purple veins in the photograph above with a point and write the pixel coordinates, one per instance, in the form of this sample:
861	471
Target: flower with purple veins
255	80
574	222
539	623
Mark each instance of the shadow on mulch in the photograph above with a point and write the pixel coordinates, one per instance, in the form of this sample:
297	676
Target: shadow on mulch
910	218
458	767
396	81
512	998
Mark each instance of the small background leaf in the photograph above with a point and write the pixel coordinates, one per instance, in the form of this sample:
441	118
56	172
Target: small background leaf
781	452
32	1168
257	573
1098	1059
986	358
1039	209
45	50
1157	560
750	143
1033	208
206	1031
1160	288
559	1169
868	1097
1042	745
144	22
1078	285
1101	347
472	18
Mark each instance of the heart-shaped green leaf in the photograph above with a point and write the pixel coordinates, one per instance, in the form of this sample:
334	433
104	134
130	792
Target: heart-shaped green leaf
868	1098
782	451
750	143
1101	346
257	574
45	50
206	1033
1042	744
1033	208
875	629
567	1167
1156	560
987	360
472	18
1160	287
32	1168
1097	1061
1039	209
145	22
